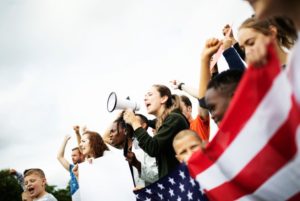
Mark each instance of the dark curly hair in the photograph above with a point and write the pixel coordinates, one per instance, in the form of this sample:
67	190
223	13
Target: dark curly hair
226	81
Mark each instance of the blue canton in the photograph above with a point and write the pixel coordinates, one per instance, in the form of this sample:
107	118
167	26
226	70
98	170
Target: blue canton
73	182
176	186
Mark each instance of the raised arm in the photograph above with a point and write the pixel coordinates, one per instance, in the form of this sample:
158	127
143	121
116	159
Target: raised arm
211	46
233	41
78	136
231	56
61	153
176	84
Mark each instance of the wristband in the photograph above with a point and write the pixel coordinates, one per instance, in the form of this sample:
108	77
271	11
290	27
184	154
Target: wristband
180	86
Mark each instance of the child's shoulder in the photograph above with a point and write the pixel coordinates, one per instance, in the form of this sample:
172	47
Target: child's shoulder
46	197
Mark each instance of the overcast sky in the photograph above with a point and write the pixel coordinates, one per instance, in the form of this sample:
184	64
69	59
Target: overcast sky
60	59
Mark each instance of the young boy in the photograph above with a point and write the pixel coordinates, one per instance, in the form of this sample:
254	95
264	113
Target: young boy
35	184
185	143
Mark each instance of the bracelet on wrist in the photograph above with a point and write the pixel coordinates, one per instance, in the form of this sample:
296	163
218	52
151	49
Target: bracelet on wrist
180	86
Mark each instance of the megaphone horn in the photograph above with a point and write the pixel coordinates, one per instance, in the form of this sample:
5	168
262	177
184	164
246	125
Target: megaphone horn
113	103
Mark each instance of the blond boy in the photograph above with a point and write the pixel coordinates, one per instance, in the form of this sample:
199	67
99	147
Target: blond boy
35	184
185	143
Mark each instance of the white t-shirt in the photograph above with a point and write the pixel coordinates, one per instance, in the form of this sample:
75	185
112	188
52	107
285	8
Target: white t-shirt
46	197
293	69
107	178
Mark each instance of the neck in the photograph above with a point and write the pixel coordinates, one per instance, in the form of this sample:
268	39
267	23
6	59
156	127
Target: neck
282	55
160	111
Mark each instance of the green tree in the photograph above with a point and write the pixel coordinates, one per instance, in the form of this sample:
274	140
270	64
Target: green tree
9	187
60	194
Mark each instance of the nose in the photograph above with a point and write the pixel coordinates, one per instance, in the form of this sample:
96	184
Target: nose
248	51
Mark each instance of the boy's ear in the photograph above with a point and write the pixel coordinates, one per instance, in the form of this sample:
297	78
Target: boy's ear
44	182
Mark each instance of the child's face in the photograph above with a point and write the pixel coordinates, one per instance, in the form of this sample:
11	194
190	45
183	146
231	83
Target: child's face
217	104
185	147
35	185
85	145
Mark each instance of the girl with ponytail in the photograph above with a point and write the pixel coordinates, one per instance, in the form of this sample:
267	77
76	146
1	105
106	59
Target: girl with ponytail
169	121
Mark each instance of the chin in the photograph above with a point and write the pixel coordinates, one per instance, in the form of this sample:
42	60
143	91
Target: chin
149	111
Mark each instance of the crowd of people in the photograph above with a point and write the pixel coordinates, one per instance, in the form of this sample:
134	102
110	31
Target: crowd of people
155	147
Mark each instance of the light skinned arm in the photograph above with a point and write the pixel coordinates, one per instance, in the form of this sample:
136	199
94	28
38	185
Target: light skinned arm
61	153
202	112
211	47
78	136
186	88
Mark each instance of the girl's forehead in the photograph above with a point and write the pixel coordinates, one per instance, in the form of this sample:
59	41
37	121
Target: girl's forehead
152	89
85	136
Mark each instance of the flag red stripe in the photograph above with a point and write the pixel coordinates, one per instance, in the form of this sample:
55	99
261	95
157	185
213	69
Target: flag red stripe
296	197
238	113
259	170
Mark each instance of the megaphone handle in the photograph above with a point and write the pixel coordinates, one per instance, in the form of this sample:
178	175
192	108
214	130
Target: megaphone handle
125	151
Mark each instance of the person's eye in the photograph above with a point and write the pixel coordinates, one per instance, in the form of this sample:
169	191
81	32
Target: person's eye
251	42
182	152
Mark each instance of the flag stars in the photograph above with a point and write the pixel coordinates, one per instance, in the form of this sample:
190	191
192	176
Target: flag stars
181	186
148	199
182	174
171	192
148	191
171	180
192	181
190	195
160	196
160	186
178	199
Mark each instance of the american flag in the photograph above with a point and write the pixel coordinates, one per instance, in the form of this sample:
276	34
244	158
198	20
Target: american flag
74	187
176	186
255	154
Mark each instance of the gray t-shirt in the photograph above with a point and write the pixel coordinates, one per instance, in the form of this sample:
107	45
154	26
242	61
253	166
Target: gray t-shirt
46	197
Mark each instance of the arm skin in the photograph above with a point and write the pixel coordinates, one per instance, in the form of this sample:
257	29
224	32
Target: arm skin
61	153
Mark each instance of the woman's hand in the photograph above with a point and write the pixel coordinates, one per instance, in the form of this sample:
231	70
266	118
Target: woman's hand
130	118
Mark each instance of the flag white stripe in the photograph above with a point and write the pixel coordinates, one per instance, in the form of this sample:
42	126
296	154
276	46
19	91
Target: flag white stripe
240	152
283	184
293	69
76	196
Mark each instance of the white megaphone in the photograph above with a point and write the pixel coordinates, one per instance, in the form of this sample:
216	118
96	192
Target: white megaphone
113	103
